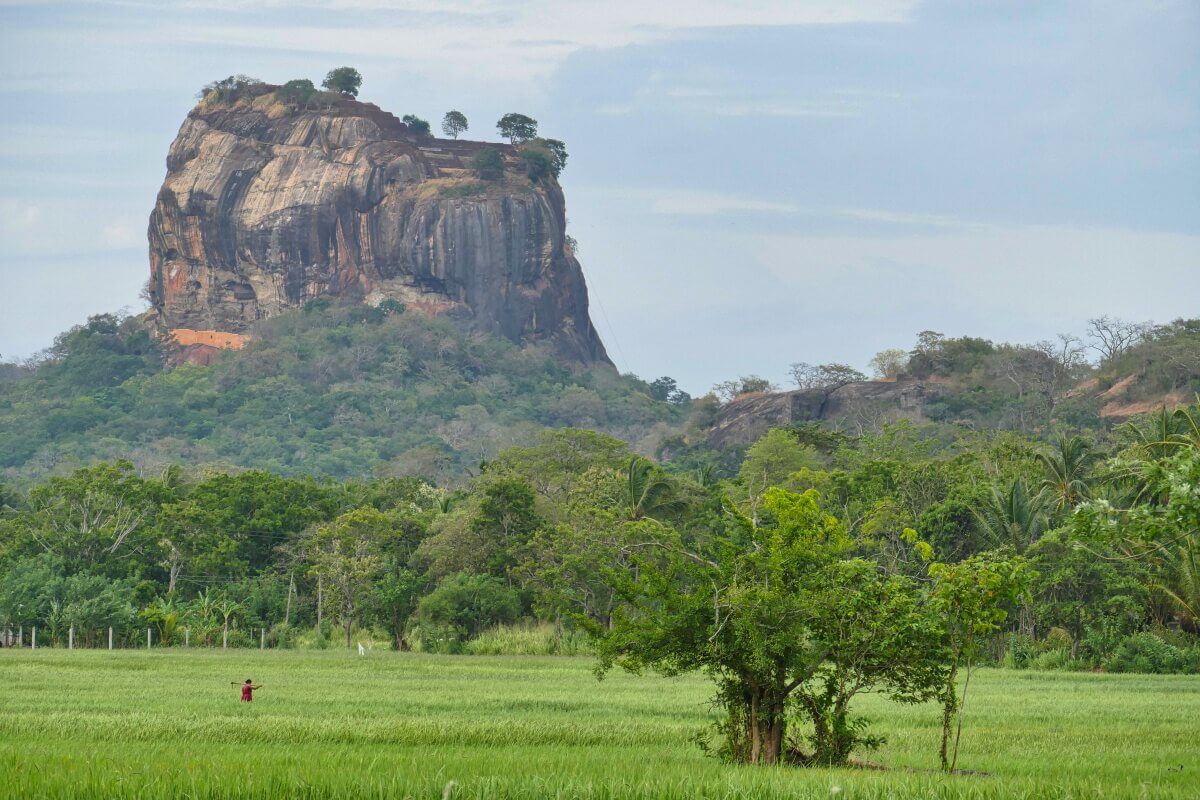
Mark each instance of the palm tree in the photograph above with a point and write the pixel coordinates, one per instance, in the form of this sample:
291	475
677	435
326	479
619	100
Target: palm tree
645	492
1066	472
1183	568
227	609
1013	517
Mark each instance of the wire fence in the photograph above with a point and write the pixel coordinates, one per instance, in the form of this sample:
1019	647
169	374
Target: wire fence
20	636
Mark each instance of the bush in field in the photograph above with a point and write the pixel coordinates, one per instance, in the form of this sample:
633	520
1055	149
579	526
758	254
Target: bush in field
1147	652
463	605
528	640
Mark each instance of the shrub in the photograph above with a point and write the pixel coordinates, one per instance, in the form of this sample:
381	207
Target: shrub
464	604
489	164
298	92
538	162
528	640
418	126
1147	652
1019	652
1059	659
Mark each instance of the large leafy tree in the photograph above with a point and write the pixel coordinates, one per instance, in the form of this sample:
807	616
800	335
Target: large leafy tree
343	80
346	555
517	128
454	124
762	610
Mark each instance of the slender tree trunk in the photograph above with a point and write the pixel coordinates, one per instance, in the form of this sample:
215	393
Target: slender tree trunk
287	613
949	705
962	704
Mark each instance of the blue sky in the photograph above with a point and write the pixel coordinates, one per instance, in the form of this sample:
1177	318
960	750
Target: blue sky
751	183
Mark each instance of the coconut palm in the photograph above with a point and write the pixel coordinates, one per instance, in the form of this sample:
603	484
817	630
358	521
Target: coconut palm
645	492
1067	469
1182	564
1012	516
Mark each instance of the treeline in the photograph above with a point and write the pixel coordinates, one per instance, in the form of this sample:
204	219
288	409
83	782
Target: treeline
828	565
340	390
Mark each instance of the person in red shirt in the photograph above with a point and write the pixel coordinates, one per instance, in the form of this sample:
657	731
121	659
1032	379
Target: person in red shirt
248	690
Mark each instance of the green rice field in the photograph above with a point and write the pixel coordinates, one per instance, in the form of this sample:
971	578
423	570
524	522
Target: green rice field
168	723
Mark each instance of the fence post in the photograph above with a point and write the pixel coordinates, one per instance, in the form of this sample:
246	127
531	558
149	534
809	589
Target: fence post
262	638
71	638
187	637
225	638
33	640
147	638
110	637
20	636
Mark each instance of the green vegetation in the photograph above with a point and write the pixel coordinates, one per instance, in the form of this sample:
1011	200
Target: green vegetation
229	89
344	80
517	128
168	724
454	124
330	390
418	126
489	164
298	92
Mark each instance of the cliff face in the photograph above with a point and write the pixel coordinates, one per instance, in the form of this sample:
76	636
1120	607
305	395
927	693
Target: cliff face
265	207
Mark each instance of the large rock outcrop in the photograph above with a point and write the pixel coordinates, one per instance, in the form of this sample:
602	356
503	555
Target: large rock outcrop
266	206
749	416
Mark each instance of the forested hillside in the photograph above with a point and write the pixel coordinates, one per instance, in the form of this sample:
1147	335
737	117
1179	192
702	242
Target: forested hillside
339	390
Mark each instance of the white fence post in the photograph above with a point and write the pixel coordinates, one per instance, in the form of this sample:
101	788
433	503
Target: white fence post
187	637
147	638
20	636
71	638
110	637
33	640
262	638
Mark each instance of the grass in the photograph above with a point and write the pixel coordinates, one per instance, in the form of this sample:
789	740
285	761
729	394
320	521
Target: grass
327	724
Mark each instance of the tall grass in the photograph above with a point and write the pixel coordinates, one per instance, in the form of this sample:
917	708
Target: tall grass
530	639
329	724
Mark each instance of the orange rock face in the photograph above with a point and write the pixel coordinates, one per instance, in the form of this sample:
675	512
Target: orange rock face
221	340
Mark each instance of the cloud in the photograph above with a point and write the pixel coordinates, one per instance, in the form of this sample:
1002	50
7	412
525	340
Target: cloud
496	39
121	234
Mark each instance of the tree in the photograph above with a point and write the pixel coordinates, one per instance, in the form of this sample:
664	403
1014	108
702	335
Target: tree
228	88
971	598
1112	337
554	150
1012	517
488	164
463	605
889	364
827	378
517	128
97	518
537	161
646	492
418	126
298	92
770	462
762	611
343	80
345	554
747	384
1066	470
454	124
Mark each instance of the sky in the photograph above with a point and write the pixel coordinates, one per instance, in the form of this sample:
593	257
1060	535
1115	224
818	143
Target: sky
751	183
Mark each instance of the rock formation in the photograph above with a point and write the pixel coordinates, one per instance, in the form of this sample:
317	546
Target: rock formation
266	206
748	417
